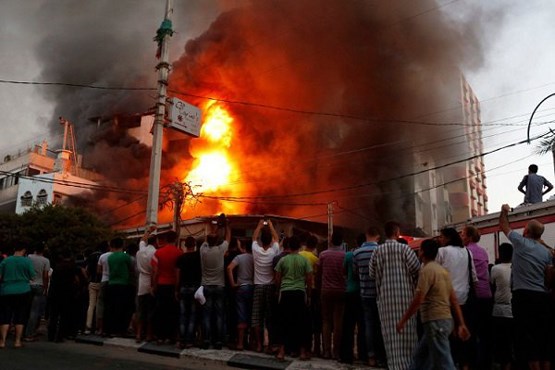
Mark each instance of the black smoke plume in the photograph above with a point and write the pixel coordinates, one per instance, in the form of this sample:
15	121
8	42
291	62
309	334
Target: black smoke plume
350	74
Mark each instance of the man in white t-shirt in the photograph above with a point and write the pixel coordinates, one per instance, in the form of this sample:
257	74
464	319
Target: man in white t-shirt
503	323
265	247
104	271
145	299
212	253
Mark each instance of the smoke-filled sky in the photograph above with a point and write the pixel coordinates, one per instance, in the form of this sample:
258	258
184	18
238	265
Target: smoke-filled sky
382	60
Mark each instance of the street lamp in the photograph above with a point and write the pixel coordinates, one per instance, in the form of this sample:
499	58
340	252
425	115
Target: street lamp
530	123
534	112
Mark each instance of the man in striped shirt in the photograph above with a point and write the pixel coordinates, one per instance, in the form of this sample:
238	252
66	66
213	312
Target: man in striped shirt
372	329
332	295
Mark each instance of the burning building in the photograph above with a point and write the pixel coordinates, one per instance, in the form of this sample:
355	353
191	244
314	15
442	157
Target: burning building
306	104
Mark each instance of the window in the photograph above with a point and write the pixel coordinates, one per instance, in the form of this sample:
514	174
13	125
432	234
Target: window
33	172
27	199
42	197
57	199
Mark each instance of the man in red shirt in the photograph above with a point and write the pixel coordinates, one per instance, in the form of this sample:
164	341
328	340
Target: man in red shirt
332	295
164	279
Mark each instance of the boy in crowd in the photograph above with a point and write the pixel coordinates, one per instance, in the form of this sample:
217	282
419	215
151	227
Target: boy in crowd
436	298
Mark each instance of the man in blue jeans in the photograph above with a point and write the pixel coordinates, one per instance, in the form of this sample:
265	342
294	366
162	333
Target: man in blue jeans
530	299
39	288
435	297
212	254
189	279
372	330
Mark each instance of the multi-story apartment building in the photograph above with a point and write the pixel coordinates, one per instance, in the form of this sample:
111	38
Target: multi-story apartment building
456	192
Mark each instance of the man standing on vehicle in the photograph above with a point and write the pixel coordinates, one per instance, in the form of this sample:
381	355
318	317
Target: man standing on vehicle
534	185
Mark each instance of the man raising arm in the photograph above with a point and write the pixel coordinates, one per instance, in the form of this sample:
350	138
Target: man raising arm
530	300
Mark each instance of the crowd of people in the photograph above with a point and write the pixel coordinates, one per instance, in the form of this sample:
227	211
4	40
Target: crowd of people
440	307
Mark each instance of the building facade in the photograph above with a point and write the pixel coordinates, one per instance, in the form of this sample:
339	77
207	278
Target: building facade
37	176
446	195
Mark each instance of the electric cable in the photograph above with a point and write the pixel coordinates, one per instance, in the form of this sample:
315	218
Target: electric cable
256	105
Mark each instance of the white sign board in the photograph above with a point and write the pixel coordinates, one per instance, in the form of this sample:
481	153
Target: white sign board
185	117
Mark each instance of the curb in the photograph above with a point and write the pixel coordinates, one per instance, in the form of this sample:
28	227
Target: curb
244	360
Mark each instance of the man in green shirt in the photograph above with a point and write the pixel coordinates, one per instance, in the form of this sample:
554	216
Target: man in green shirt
119	297
293	275
15	273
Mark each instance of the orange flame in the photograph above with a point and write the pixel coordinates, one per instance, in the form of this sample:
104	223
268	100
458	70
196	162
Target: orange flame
213	169
217	126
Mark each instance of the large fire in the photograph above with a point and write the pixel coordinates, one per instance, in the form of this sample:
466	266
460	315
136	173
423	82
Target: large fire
214	170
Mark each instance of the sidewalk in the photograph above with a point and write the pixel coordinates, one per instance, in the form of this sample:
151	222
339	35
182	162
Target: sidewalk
243	359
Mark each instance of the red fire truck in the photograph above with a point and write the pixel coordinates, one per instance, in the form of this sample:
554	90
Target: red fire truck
492	236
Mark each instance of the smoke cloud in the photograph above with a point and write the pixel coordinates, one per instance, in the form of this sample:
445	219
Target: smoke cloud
348	73
108	43
385	63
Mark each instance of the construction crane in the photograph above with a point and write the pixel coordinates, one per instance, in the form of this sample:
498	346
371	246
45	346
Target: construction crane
69	144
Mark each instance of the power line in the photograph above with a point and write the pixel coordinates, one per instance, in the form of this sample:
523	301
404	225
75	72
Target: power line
123	205
74	184
233	199
258	105
78	85
243	199
431	10
428	146
353	187
329	114
128	218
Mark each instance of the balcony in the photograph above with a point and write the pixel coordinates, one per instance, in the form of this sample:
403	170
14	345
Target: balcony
459	199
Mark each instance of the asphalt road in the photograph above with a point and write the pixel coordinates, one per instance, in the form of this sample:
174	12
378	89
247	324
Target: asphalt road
44	355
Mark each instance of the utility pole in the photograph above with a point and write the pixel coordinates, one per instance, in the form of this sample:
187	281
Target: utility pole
330	222
163	35
178	197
